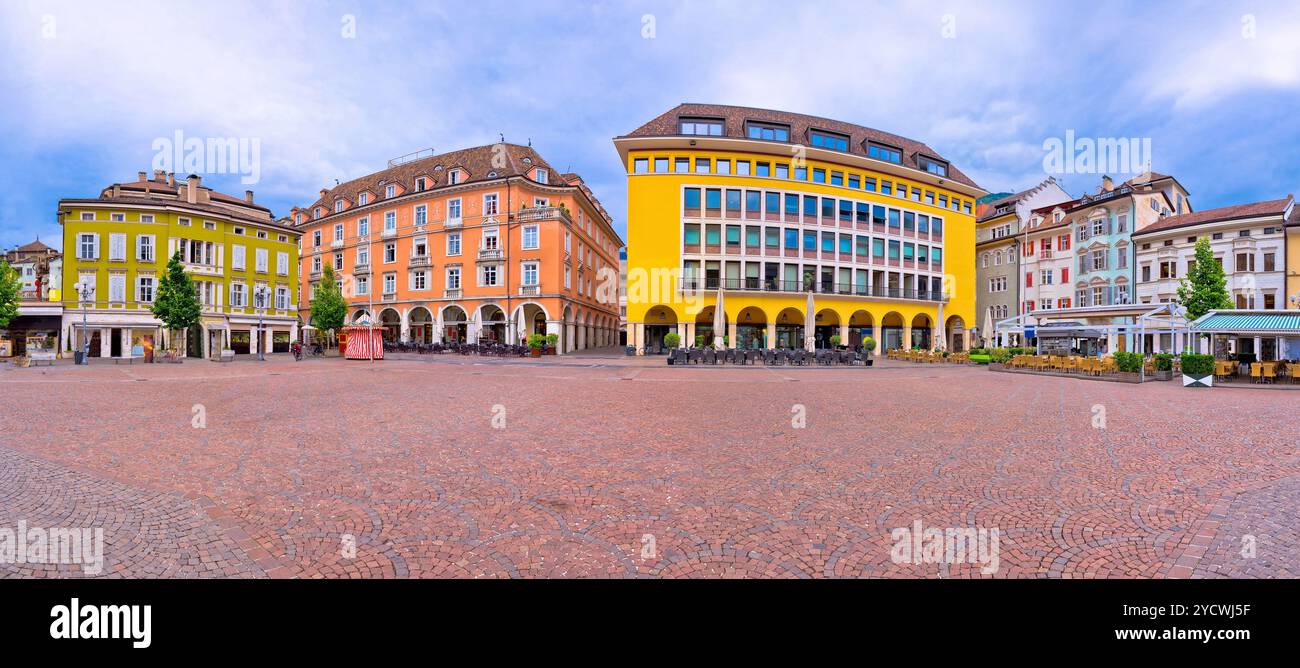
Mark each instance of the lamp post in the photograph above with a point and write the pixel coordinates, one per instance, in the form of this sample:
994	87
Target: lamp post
85	291
259	302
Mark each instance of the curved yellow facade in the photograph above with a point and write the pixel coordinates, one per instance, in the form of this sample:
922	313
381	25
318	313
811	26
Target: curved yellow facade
660	280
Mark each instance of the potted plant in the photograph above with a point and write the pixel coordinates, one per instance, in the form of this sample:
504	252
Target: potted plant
1164	363
1129	364
671	341
868	345
1198	370
536	342
699	340
835	341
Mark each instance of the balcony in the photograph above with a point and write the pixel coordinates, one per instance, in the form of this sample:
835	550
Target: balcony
542	213
361	269
388	234
420	261
316	275
819	288
530	290
452	293
453	222
490	254
388	297
337	243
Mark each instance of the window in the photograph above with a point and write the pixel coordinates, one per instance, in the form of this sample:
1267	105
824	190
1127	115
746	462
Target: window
453	278
390	191
420	247
767	131
420	280
530	241
490	204
237	295
390	283
282	298
421	214
488	275
1168	269
144	289
762	169
884	152
661	165
144	247
742	168
315	238
338	233
338	262
530	273
261	260
237	257
641	166
363	285
682	165
117	247
87	215
1245	262
363	198
453	243
1098	260
933	166
1270	262
709	127
390	222
146	218
835	142
567	282
315	264
363	227
363	256
390	252
338	206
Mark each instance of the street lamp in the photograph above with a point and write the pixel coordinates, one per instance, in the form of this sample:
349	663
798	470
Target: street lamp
259	303
85	291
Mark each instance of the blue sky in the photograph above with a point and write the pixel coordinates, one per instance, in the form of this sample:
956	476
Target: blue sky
90	86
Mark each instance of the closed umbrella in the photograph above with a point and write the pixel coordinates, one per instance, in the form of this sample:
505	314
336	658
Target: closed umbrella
987	332
719	321
810	326
942	329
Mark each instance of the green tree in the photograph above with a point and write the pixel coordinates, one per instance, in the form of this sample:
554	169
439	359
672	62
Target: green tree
328	308
1204	288
177	301
10	287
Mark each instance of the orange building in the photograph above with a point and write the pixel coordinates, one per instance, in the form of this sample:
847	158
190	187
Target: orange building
485	243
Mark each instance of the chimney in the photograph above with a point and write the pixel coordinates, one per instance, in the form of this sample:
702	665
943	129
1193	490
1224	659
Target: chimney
117	190
171	178
322	194
140	177
192	188
248	196
159	175
1107	184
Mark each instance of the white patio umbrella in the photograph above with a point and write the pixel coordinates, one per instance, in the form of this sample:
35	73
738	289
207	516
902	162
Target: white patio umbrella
810	325
987	332
942	329
719	321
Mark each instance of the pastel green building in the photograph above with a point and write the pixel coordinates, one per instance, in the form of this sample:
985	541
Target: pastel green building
116	246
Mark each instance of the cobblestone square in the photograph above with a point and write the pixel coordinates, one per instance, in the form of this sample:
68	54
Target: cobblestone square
602	466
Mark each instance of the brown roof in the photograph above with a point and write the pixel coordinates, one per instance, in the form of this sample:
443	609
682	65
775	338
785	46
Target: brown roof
1272	207
1294	220
480	163
214	209
992	206
35	247
734	118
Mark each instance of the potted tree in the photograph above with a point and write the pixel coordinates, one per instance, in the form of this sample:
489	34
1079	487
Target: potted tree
671	341
551	340
699	340
535	344
835	341
176	304
868	345
1198	370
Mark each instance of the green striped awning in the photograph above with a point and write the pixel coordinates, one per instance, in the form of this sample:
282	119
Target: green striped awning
1251	322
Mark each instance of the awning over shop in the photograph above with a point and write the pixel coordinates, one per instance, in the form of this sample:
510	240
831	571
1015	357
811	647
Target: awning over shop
1273	323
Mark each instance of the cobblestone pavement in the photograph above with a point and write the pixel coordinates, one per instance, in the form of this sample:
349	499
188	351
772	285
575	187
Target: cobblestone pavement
610	467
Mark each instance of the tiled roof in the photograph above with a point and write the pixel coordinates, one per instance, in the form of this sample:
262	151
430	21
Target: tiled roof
35	247
479	163
734	118
1294	220
1272	207
214	209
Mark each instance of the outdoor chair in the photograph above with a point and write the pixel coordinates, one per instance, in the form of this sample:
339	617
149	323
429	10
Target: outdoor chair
710	356
1257	372
1270	372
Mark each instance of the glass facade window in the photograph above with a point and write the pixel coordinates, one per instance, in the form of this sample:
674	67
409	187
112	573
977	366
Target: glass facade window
886	153
762	169
827	140
641	166
691	235
791	238
782	171
692	198
819	175
767	131
701	126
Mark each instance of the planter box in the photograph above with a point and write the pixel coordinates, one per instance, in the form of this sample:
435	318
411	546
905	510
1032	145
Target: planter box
1193	381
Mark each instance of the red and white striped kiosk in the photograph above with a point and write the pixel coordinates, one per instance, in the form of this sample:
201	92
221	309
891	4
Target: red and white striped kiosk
364	342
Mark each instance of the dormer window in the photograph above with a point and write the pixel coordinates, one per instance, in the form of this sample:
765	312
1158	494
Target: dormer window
420	183
835	142
707	127
767	131
390	191
884	152
338	206
543	176
453	177
363	198
936	167
528	160
318	213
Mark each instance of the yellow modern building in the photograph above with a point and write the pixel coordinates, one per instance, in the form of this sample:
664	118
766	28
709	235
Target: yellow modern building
116	248
771	211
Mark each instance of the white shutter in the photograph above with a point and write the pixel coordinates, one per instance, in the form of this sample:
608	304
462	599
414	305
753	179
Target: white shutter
237	257
117	246
260	254
117	287
96	238
282	263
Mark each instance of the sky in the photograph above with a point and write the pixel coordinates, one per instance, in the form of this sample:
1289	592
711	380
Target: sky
333	90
